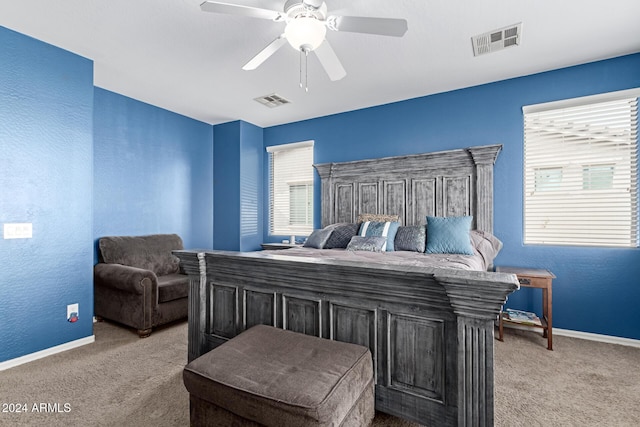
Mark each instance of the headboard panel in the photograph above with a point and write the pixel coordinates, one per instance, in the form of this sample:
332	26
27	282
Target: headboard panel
445	183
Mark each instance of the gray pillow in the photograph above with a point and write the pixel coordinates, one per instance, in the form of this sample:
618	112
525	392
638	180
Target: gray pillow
486	244
411	238
367	243
341	234
318	239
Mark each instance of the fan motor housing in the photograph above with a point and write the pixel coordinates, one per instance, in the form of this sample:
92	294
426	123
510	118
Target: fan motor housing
295	8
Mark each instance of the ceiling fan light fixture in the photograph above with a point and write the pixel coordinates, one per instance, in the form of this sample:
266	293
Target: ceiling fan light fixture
305	30
305	33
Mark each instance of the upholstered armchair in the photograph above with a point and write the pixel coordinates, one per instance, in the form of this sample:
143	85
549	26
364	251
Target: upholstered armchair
138	282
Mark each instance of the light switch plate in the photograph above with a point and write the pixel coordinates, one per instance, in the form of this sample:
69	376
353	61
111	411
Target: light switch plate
23	230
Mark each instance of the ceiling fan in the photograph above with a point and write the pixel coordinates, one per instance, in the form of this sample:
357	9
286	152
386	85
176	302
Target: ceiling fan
306	26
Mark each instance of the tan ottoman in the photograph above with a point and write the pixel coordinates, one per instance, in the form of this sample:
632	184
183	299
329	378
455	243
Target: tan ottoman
268	376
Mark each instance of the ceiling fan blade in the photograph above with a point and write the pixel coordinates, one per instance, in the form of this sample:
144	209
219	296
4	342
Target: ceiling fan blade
330	61
265	53
236	9
360	24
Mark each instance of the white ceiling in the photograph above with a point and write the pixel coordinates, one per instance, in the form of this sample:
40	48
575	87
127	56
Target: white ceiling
170	54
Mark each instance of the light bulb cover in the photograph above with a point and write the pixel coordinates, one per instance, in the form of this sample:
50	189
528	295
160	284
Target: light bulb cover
305	33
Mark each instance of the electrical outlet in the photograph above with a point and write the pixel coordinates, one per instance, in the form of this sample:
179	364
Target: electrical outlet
73	312
18	230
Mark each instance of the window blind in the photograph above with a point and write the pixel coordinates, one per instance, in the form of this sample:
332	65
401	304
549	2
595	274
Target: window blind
291	188
581	171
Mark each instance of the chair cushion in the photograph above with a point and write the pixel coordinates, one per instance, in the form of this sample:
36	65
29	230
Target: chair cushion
151	252
284	378
172	287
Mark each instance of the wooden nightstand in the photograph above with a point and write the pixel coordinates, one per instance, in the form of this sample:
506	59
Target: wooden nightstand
534	278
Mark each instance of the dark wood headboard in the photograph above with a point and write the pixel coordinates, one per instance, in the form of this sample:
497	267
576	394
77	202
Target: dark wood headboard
444	183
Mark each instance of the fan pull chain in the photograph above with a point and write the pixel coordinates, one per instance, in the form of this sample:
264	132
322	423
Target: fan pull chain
306	69
300	60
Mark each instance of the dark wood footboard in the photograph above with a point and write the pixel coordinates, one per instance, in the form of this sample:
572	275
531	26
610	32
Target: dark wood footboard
430	331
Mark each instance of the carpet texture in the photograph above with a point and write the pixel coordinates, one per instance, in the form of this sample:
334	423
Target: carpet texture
121	380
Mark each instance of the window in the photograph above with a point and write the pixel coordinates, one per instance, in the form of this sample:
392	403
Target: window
548	179
291	188
301	204
597	177
581	171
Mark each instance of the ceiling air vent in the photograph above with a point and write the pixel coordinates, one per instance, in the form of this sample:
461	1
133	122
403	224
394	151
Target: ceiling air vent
272	101
497	39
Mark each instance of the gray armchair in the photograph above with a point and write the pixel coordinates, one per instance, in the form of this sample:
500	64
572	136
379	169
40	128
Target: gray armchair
138	281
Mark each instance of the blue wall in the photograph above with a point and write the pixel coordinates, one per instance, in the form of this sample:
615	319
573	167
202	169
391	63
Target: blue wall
46	102
596	289
238	206
251	188
78	163
226	178
153	171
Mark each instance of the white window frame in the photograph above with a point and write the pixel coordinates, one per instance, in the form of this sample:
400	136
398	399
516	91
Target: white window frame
290	165
589	194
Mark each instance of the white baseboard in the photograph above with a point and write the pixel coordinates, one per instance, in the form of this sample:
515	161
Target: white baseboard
582	335
597	337
46	352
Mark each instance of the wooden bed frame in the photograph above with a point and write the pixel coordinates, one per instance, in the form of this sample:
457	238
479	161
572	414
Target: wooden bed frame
430	330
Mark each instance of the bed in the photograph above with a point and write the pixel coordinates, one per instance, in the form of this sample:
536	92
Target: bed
429	326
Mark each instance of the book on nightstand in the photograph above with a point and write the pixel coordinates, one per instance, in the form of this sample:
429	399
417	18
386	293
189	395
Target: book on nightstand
519	316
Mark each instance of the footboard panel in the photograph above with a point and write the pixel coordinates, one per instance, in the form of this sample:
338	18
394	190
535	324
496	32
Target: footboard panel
430	331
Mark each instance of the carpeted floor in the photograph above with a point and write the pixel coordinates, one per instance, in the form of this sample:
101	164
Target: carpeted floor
121	380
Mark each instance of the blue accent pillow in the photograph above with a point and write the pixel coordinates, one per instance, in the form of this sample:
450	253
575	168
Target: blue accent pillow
385	229
449	235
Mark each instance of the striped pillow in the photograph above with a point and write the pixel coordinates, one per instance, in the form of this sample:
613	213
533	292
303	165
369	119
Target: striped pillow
386	229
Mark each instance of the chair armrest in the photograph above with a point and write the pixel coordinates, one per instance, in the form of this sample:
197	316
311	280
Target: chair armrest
124	278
